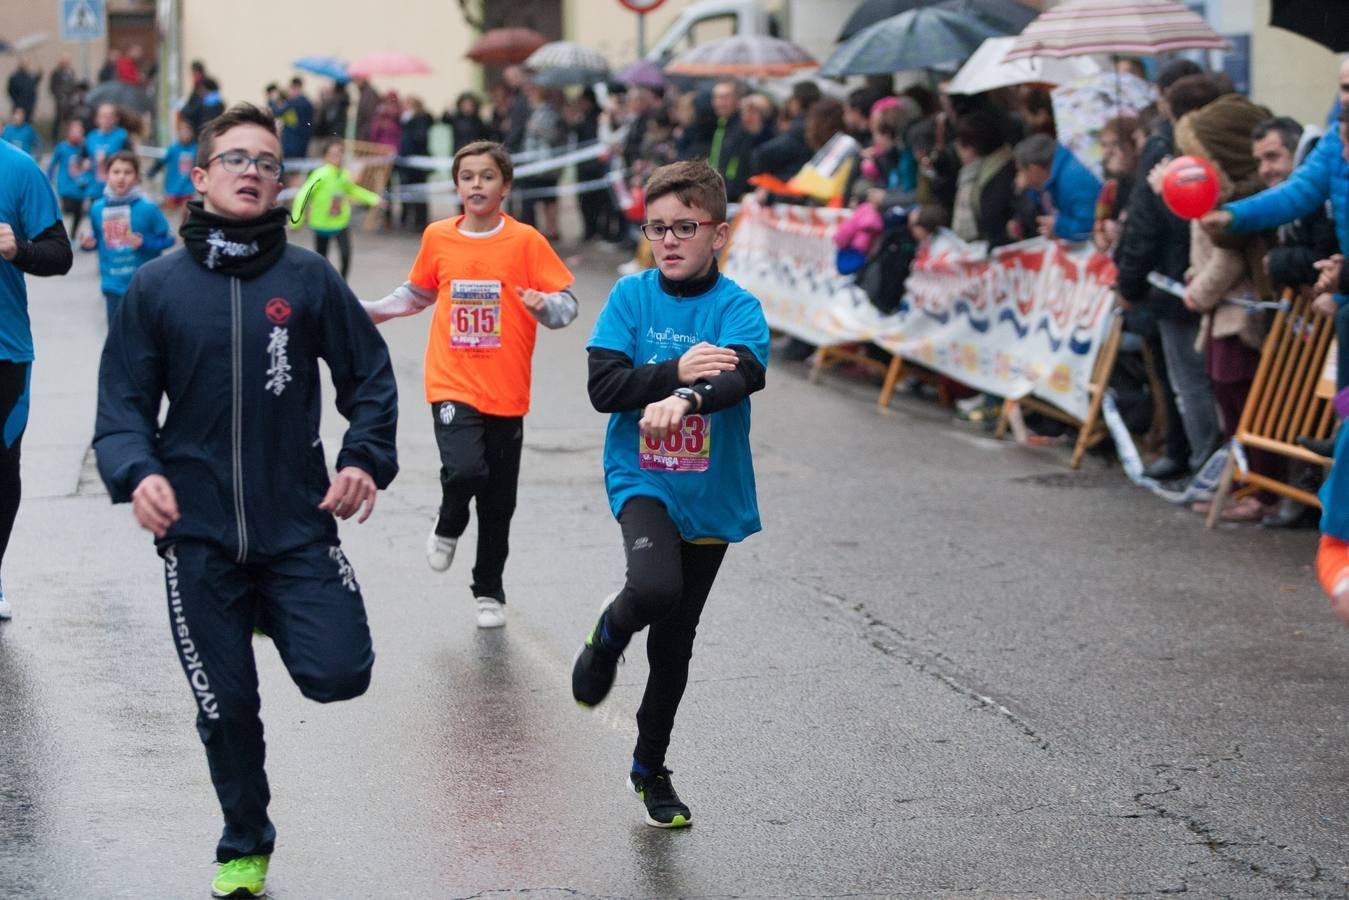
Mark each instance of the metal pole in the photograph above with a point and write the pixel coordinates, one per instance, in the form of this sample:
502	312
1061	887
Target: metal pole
641	35
84	59
170	67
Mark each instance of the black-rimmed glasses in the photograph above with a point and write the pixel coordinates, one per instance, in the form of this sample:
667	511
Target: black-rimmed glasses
236	162
683	230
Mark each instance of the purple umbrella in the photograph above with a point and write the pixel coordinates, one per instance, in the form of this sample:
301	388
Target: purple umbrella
643	73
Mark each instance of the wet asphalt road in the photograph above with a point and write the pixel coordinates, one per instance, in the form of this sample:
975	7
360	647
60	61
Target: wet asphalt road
947	665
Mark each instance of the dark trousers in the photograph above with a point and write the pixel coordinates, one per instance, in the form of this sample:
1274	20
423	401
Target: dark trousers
13	421
414	213
668	581
1177	444
111	302
479	460
1342	337
73	207
343	237
310	605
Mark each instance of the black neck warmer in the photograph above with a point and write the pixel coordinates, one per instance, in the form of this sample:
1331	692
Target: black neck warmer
691	287
241	248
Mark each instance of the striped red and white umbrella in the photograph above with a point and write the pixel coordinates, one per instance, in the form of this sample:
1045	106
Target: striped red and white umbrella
742	55
1120	27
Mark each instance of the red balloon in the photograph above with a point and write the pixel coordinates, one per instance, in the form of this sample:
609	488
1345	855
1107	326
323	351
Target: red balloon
1190	186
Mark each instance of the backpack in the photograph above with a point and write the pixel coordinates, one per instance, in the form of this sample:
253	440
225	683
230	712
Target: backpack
882	276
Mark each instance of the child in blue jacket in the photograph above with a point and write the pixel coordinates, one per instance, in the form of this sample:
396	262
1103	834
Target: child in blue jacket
107	138
127	230
176	164
20	132
70	165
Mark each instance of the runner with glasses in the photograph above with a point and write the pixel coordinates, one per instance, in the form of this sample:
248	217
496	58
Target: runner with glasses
233	482
675	354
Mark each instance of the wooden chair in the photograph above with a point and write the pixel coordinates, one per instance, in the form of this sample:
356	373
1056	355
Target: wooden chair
373	176
1090	431
1292	396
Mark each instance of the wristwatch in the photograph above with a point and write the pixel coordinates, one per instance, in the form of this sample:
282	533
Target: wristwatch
689	394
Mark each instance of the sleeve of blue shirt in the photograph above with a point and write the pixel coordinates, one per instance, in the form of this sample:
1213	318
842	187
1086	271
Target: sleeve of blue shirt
155	234
614	329
746	326
38	209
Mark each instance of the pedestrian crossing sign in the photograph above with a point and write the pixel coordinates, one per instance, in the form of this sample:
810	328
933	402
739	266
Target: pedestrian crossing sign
83	20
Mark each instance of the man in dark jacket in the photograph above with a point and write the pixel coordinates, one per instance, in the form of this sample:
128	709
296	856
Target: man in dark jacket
232	483
1156	240
22	87
297	121
1278	145
784	155
731	146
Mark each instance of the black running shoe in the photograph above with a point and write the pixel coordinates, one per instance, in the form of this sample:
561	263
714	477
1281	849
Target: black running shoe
664	809
596	664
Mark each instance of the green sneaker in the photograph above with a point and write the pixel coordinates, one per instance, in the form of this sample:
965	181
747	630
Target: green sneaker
664	809
242	877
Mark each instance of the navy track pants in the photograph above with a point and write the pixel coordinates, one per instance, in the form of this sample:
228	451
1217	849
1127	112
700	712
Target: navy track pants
310	605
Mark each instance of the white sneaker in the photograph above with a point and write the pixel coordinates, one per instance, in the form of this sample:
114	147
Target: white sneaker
491	613
440	551
6	611
631	267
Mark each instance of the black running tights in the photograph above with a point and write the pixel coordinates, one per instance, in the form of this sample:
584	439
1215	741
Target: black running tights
13	421
668	582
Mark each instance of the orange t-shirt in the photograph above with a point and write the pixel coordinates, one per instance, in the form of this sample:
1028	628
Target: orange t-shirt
482	336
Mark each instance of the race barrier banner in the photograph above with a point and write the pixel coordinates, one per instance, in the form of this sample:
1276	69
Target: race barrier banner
784	255
1027	319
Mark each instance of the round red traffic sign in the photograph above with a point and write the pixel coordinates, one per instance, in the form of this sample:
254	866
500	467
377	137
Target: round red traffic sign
641	6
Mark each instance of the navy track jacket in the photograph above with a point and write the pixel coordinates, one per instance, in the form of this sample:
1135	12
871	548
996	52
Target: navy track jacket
238	361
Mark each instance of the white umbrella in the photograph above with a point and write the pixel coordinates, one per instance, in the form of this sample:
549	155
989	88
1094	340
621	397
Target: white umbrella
986	70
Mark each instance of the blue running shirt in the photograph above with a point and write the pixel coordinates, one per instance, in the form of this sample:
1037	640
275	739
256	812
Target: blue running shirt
28	206
705	475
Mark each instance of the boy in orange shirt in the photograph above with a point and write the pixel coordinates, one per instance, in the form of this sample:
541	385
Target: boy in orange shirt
492	280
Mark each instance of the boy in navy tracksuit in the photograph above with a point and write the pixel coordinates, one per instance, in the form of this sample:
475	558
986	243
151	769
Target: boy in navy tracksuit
126	229
233	482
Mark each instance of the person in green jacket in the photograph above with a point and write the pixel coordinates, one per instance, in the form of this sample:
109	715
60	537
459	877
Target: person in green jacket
327	195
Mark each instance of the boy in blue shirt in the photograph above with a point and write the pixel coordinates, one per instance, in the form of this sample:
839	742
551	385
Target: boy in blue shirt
126	229
176	164
675	354
107	138
70	165
20	132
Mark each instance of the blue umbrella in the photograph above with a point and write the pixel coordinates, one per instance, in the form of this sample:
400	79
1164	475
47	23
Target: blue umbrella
327	66
921	38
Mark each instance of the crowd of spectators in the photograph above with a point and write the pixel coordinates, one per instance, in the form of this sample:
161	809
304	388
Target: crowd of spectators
989	166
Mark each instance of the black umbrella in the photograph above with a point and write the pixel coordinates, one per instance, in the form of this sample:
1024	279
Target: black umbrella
1007	15
119	93
871	12
922	38
1325	23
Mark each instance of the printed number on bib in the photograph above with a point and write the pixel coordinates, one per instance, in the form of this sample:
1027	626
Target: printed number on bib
335	206
117	227
475	314
687	450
